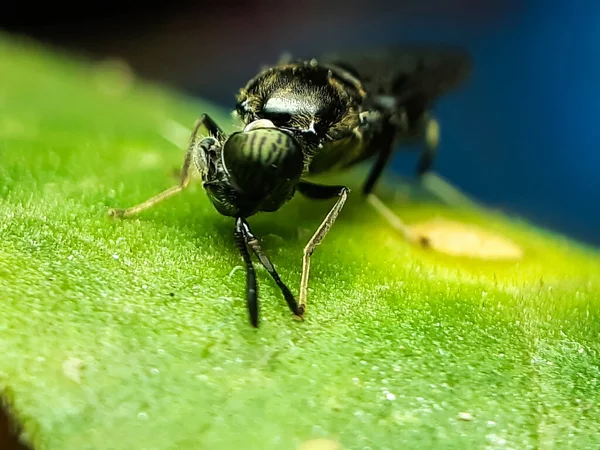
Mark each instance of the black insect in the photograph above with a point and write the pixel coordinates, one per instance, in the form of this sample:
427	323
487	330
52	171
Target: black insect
305	117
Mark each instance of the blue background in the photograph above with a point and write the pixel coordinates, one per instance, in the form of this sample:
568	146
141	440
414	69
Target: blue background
524	134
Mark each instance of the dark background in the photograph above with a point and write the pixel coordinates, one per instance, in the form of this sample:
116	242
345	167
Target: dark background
521	135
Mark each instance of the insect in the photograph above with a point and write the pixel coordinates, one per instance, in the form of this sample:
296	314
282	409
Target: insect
310	116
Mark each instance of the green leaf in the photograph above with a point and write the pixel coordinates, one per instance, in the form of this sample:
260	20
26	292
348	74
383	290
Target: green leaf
133	334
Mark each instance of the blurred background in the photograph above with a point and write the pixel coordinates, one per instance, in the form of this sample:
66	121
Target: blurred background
521	135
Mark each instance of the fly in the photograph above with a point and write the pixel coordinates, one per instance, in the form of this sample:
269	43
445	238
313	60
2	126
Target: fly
306	117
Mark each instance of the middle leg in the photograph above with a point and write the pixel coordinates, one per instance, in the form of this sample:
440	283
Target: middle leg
253	243
318	191
378	205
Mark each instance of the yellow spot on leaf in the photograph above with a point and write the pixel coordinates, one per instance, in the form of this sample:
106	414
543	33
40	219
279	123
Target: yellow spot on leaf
320	444
459	239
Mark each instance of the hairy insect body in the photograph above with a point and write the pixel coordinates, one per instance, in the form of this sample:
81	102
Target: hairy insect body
344	110
309	117
324	107
320	110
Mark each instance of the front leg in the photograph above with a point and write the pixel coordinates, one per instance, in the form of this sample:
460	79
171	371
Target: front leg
241	240
245	235
192	153
318	191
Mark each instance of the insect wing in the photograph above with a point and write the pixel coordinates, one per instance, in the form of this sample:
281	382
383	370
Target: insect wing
406	72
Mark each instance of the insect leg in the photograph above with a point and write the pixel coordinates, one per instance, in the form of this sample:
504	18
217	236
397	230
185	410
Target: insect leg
185	174
432	140
251	285
442	189
183	183
383	157
318	191
394	220
252	241
385	145
211	126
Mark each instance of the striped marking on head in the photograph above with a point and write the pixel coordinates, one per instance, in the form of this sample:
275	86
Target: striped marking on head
267	145
258	160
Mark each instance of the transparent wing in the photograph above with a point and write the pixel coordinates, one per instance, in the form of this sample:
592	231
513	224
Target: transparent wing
407	73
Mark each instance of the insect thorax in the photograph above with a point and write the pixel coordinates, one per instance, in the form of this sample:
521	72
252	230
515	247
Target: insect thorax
320	107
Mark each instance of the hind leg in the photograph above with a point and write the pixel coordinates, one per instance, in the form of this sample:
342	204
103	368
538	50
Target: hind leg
431	133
